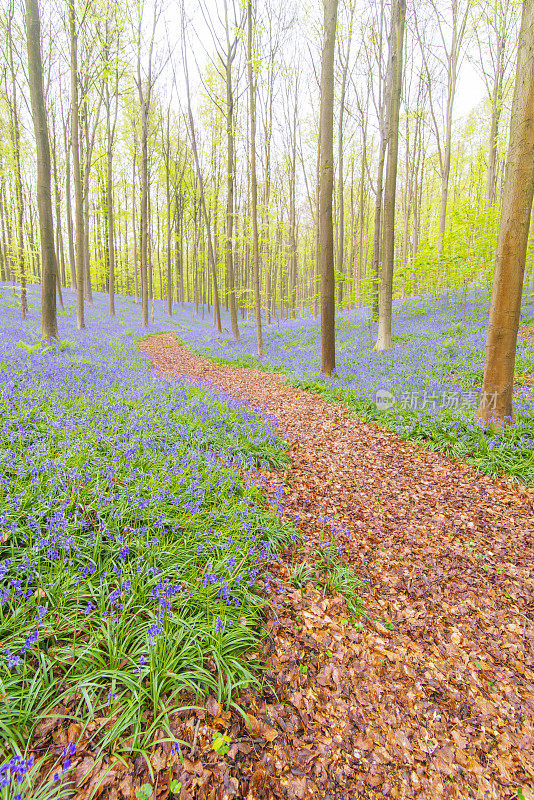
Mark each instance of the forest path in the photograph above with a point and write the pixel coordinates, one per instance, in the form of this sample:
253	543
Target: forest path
440	703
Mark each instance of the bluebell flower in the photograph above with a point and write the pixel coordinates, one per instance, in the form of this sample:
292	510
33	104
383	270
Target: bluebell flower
153	632
11	659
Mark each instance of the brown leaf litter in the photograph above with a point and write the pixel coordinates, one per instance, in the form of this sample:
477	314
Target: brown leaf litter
432	696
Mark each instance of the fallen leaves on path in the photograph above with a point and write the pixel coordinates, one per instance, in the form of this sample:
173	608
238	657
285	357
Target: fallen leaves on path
433	696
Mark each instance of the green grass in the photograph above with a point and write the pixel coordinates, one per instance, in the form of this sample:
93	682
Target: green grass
339	577
243	362
131	550
510	452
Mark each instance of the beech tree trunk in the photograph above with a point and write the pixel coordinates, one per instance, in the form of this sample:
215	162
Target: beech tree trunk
341	199
143	214
60	251
254	184
75	147
497	389
167	154
377	237
68	208
499	22
144	91
15	135
211	254
44	197
110	137
134	223
4	270
293	256
326	177
382	124
398	15
230	197
493	151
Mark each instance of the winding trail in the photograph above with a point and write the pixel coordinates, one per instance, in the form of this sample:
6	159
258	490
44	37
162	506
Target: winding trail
439	703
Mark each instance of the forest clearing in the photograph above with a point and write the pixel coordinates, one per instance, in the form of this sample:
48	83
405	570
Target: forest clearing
266	400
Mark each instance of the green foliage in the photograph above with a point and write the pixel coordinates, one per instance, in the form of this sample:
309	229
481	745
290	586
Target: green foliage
145	792
339	577
455	330
43	346
301	574
246	363
467	254
221	743
151	498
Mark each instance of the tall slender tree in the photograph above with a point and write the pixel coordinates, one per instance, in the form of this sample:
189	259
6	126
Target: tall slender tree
232	40
394	81
192	132
453	44
15	138
497	389
496	41
44	197
111	103
254	182
77	177
345	58
145	84
326	178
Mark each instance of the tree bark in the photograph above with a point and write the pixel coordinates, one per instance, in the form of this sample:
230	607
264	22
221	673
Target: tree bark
134	223
7	234
496	108
44	197
110	136
340	184
60	251
75	147
15	135
68	208
254	184
145	95
230	193
496	408
326	176
217	312
167	153
293	255
398	15
4	267
382	121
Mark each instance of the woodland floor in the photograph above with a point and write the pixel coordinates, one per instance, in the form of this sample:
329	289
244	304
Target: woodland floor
438	704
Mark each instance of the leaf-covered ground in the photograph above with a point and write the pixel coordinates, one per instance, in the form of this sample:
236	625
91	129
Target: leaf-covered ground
431	693
429	381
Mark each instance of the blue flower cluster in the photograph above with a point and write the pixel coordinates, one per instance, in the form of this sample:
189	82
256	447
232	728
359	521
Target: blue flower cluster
432	374
129	541
12	774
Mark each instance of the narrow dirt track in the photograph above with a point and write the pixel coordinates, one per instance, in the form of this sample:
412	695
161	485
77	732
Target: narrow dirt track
441	702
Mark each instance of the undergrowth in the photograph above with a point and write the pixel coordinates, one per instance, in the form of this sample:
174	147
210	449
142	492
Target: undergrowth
131	549
509	452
